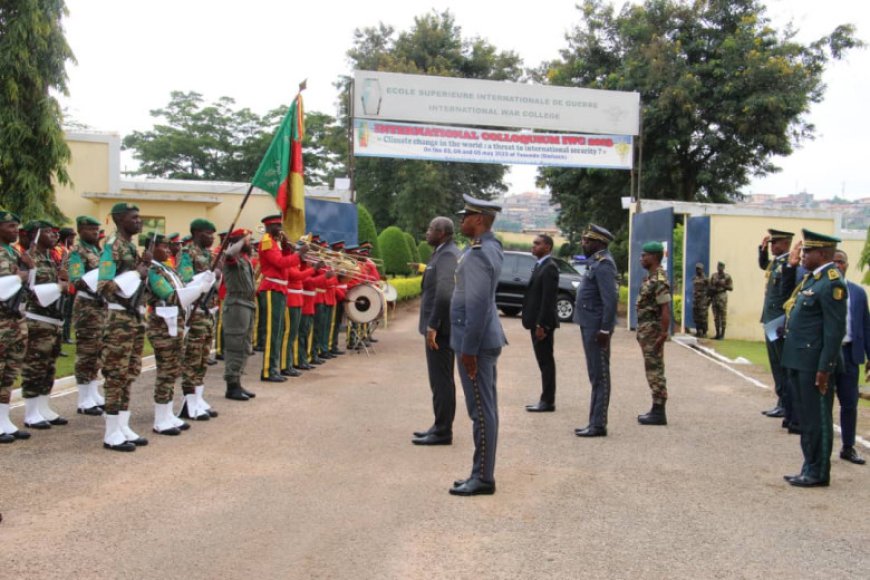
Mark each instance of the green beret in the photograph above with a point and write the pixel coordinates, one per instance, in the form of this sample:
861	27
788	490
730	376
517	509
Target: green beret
202	224
718	264
34	225
86	220
653	248
124	207
66	231
8	216
145	240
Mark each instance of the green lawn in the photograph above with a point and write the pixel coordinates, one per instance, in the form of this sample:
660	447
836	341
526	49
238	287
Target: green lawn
755	352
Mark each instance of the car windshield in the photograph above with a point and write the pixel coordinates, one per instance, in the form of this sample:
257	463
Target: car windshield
565	267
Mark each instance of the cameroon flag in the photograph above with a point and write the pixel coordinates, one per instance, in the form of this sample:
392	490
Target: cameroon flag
280	172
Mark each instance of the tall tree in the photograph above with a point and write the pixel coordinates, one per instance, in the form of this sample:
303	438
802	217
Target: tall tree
406	192
33	150
219	142
722	93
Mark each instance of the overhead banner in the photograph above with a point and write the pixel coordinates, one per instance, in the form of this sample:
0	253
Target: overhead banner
453	101
464	144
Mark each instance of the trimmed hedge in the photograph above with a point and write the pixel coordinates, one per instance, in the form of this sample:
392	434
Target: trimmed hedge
366	229
412	247
408	287
394	251
425	251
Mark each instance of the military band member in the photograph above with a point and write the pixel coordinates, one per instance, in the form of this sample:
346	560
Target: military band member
653	328
239	312
338	310
195	259
44	329
477	339
165	331
89	316
13	326
296	275
124	333
307	353
780	274
814	331
700	301
720	285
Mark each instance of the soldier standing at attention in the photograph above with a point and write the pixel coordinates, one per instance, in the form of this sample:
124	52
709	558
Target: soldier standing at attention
239	312
44	331
700	300
812	353
165	331
780	275
653	327
13	327
476	336
89	315
124	333
196	259
720	285
595	312
296	275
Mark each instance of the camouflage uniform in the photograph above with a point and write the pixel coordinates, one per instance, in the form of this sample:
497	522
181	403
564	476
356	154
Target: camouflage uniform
13	329
124	333
89	313
700	303
654	292
194	260
720	285
162	285
44	332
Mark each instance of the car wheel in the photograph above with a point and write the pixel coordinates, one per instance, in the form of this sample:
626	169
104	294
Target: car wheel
565	308
510	310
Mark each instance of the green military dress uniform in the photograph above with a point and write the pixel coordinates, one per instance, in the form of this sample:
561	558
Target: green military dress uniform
815	328
654	291
720	285
700	303
88	318
239	314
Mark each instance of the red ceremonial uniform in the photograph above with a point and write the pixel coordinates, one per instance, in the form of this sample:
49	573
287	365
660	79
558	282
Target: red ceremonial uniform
273	265
309	286
296	275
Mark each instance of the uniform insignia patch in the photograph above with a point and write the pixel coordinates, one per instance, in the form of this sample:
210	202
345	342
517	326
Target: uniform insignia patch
834	274
476	243
266	243
839	293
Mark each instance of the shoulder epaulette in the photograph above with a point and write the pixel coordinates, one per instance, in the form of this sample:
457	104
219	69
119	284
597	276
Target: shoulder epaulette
476	243
833	274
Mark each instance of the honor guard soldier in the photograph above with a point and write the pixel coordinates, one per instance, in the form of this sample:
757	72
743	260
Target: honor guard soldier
121	284
653	328
780	273
65	243
44	328
814	331
168	308
239	312
700	300
477	338
89	314
196	259
174	241
595	312
14	269
276	257
720	285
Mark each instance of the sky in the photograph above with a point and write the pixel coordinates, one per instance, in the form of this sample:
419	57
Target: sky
131	55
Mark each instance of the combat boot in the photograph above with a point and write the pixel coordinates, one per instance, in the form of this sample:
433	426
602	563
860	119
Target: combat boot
656	416
722	332
235	392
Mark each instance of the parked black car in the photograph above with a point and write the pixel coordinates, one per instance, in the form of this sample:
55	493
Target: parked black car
515	274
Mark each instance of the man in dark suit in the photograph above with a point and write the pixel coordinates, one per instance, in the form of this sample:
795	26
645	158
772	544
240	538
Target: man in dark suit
856	349
595	312
539	317
438	282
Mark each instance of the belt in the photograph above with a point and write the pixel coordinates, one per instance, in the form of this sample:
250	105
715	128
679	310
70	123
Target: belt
277	281
119	307
295	291
40	318
320	290
342	287
308	292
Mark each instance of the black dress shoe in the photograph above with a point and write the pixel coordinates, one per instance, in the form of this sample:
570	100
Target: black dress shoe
433	439
4	438
211	413
291	372
138	441
125	446
304	367
59	421
184	426
805	481
274	379
185	415
473	486
591	432
459	482
541	407
92	411
21	434
794	429
249	393
850	455
236	395
788	478
336	352
775	413
326	355
424	433
42	425
171	431
317	361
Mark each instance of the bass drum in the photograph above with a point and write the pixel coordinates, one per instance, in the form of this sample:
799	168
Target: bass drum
364	304
389	291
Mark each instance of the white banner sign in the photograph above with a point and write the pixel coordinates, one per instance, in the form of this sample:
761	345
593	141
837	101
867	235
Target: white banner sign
430	99
440	143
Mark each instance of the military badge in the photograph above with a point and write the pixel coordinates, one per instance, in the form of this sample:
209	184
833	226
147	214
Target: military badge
839	293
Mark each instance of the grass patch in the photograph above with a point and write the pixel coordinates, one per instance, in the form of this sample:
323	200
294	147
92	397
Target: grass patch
754	351
66	364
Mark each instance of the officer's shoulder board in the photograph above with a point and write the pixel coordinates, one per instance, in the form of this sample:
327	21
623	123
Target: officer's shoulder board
833	274
476	244
266	243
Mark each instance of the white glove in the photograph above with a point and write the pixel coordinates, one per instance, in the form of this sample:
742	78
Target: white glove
234	249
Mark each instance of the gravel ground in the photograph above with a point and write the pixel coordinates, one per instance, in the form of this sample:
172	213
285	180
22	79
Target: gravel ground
317	478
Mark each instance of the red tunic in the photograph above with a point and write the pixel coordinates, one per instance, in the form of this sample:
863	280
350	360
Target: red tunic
296	275
273	265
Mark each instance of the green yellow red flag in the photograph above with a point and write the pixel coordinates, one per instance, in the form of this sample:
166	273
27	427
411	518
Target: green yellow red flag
280	171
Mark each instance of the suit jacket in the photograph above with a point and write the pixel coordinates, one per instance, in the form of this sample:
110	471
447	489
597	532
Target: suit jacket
595	307
438	281
473	313
539	302
859	327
